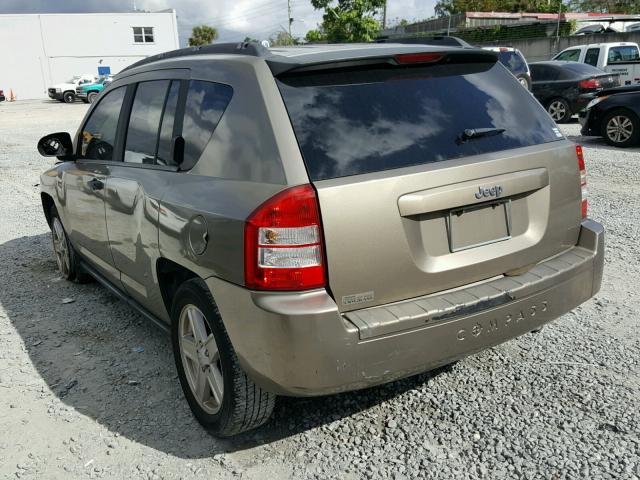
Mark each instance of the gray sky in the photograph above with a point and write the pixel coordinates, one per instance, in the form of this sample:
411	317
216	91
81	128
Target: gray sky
234	19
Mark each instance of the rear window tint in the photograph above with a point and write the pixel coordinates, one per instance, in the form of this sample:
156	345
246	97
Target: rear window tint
206	102
580	69
514	62
627	53
350	123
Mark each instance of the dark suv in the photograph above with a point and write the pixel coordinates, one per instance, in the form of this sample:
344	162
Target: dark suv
306	221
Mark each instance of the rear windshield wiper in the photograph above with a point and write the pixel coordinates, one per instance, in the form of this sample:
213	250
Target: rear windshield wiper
471	133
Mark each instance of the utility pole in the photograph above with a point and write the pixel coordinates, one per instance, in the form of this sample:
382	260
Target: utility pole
558	26
290	19
384	15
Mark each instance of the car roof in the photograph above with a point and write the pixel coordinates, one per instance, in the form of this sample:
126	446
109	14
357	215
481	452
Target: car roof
602	44
285	58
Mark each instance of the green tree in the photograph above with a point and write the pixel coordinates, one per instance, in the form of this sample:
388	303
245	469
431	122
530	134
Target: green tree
283	39
314	36
202	35
348	20
605	6
451	7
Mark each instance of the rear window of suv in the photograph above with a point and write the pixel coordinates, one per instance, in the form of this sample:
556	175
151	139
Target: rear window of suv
513	61
356	122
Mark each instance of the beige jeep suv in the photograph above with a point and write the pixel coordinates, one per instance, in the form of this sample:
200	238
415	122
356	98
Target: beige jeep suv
311	220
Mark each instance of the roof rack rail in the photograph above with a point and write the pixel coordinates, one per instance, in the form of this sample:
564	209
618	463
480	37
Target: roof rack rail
243	48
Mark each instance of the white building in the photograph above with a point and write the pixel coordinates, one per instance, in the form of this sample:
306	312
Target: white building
39	50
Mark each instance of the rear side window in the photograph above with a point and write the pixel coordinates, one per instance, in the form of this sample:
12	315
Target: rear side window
144	122
623	54
98	135
591	57
206	102
355	122
513	61
569	56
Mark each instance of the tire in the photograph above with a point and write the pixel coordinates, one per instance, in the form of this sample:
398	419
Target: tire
524	81
621	128
559	110
243	405
66	257
91	97
85	100
69	97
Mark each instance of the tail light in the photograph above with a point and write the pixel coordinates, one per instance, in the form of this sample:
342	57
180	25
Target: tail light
589	84
283	243
406	58
583	179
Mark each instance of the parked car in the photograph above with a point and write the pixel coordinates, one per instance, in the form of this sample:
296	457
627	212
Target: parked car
595	28
620	58
615	115
515	62
2	97
89	91
306	221
565	88
66	92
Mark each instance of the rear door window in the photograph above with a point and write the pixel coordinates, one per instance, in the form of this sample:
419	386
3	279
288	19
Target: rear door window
206	102
591	57
144	122
98	136
569	56
353	122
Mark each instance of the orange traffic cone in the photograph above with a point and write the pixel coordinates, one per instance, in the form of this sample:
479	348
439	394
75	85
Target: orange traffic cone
12	97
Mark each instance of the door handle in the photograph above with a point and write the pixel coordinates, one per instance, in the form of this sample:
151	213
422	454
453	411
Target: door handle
95	184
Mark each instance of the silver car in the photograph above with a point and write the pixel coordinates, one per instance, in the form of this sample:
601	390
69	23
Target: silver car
306	221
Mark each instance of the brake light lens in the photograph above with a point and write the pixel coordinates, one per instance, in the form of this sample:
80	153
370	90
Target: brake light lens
589	84
583	179
283	243
406	58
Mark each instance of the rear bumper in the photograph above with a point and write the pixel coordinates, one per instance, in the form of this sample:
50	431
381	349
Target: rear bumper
299	344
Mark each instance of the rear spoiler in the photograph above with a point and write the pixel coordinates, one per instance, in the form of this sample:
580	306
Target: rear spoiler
280	65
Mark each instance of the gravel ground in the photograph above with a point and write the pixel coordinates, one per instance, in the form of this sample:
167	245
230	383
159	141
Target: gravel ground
88	389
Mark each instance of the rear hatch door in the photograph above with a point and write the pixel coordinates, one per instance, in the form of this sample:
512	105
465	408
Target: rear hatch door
431	176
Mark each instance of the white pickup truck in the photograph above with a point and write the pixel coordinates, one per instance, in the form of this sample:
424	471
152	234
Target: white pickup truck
66	92
622	58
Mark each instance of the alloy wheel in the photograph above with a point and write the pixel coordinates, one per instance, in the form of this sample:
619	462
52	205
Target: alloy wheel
619	129
557	110
200	359
60	247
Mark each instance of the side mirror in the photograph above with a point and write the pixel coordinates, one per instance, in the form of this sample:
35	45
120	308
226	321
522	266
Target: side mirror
56	145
